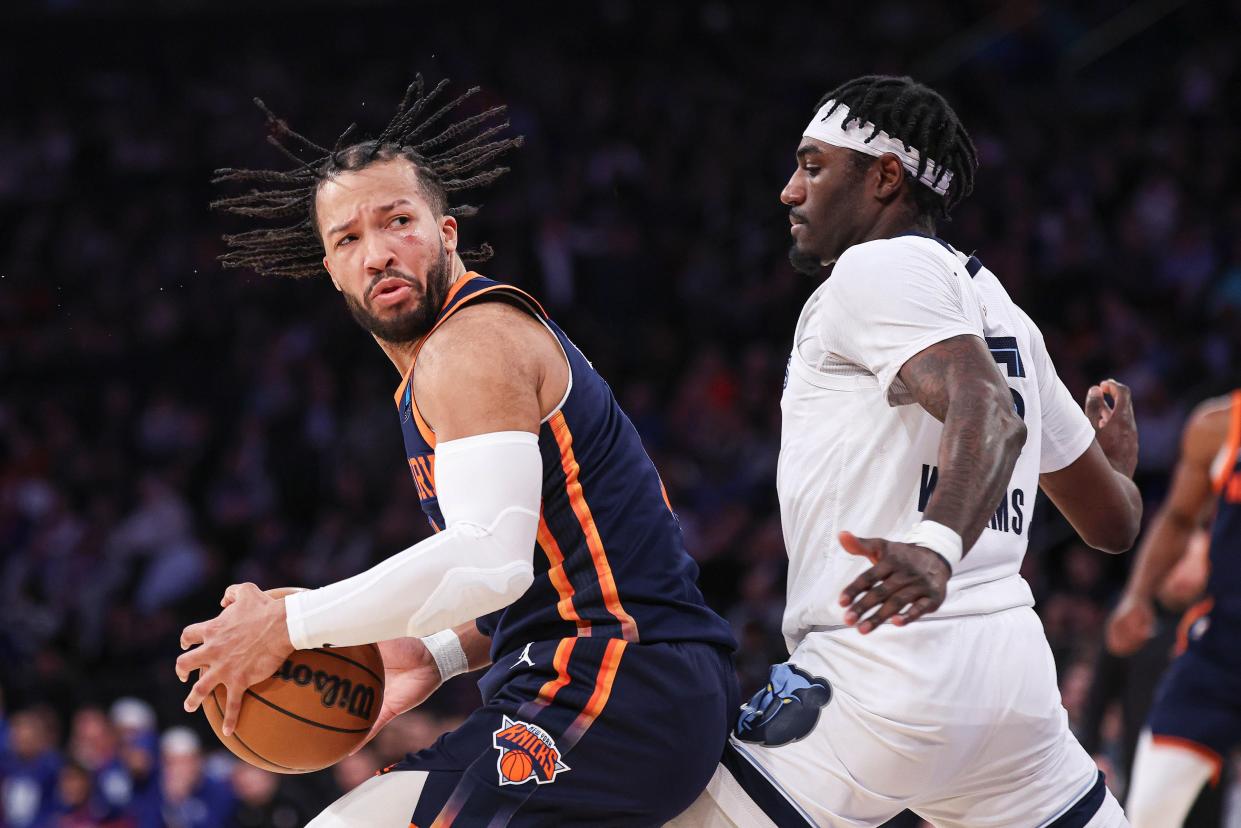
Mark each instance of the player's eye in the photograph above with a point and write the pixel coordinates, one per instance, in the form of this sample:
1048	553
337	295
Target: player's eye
811	170
344	240
399	221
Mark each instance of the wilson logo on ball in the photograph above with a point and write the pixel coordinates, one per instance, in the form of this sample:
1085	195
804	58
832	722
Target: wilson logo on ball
526	752
355	699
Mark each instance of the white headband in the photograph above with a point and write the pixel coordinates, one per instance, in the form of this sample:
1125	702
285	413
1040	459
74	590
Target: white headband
856	136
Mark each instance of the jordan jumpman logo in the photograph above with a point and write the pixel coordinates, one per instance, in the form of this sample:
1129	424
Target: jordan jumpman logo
525	657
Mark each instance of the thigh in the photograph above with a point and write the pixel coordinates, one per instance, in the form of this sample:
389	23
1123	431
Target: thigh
1198	706
1013	759
383	801
609	735
807	752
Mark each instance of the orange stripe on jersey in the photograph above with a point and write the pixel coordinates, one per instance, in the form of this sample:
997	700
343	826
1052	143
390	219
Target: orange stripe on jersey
449	814
561	662
547	541
452	294
607	584
1193	747
1232	446
664	492
1191	616
423	428
603	689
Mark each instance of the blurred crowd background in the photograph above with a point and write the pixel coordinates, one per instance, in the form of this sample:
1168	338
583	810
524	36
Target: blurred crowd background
168	428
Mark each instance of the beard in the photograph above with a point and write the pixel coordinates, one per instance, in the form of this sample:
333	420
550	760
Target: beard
413	324
804	262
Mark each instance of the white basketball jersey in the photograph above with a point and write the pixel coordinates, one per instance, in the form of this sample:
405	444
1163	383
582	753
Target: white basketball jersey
858	454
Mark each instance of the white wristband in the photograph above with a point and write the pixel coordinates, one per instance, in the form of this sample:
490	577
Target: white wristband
445	648
939	539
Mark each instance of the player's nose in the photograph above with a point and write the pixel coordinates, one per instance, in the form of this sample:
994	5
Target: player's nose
378	257
793	193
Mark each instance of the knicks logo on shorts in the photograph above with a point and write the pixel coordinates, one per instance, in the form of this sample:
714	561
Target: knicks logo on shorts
786	710
526	752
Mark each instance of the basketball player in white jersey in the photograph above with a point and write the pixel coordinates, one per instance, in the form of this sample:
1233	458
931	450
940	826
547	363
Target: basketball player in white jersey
921	412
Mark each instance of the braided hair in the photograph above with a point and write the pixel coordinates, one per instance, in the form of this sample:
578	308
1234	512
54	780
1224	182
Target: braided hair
919	117
446	161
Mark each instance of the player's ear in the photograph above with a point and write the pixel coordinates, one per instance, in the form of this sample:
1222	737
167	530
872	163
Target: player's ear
448	233
889	174
330	274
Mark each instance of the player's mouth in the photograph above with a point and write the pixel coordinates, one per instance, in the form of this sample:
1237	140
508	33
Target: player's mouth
390	291
796	222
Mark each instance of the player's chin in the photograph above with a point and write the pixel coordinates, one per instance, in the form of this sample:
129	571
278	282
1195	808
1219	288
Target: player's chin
804	261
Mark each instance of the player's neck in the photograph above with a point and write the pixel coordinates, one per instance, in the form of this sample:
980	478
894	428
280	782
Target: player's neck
898	224
402	354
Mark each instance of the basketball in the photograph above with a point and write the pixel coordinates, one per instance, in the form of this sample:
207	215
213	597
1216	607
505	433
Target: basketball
318	707
515	766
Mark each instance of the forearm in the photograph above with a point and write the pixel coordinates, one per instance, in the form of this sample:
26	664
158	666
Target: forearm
1129	516
489	490
477	646
1164	545
978	450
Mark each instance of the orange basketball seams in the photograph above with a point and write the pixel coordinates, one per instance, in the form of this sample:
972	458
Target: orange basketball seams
603	688
559	580
607	584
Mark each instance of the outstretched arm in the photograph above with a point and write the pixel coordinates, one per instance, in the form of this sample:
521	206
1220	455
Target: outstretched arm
957	382
1187	506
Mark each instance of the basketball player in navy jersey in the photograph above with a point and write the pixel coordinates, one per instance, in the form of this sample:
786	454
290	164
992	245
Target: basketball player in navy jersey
556	559
1196	719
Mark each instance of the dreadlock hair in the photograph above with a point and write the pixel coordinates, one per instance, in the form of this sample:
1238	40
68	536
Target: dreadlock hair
446	160
919	117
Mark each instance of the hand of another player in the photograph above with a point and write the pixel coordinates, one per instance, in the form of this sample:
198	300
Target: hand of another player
243	645
1130	625
410	677
1115	427
905	583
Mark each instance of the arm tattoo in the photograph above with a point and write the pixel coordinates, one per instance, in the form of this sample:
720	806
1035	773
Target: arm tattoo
957	382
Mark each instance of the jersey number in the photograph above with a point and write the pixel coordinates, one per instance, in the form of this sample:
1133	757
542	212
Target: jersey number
1004	349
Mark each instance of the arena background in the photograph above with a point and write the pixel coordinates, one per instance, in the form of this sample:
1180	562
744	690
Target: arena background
168	428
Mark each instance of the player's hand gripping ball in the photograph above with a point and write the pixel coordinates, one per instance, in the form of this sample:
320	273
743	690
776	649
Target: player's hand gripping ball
304	711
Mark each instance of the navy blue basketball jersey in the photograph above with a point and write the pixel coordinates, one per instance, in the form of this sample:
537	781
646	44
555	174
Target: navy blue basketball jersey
1219	631
610	560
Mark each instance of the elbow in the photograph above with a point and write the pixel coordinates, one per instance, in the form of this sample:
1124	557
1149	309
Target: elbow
520	582
1113	541
1118	535
1014	433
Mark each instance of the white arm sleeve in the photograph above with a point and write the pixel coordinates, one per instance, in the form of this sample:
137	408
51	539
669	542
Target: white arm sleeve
887	300
489	489
1067	431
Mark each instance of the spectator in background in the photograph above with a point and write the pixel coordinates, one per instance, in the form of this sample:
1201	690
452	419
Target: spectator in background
262	804
138	739
75	805
156	413
93	746
191	798
29	768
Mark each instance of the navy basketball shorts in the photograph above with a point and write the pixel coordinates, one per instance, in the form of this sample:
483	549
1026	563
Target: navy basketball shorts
582	732
1199	702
